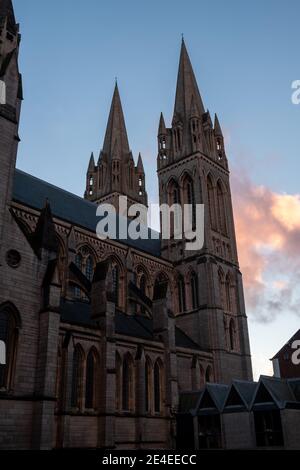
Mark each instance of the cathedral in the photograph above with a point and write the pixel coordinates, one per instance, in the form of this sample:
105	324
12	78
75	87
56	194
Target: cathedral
102	337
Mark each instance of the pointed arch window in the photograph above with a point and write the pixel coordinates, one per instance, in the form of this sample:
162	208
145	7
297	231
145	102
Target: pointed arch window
116	281
143	284
157	388
178	138
148	385
211	203
189	197
173	191
181	294
222	289
194	290
78	261
232	335
89	268
85	262
118	382
176	194
90	381
228	293
191	201
143	288
221	209
127	384
8	344
161	282
77	377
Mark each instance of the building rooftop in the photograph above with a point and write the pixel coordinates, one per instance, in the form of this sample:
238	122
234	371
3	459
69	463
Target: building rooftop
33	192
137	326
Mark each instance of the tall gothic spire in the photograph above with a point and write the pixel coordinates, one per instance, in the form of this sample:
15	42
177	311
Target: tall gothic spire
187	88
116	140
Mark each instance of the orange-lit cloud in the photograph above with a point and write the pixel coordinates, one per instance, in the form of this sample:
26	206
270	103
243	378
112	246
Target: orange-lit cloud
268	237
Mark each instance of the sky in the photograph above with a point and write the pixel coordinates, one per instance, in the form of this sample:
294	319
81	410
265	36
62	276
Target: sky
245	57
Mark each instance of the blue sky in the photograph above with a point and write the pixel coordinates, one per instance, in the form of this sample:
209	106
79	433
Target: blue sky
245	57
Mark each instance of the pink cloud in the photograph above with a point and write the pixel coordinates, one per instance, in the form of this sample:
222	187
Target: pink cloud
268	237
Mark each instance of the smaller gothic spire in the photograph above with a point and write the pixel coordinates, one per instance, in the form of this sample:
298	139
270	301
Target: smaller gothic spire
217	127
140	165
208	118
162	126
92	163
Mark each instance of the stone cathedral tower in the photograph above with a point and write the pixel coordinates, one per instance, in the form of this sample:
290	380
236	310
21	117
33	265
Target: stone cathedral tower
193	169
102	337
115	173
10	110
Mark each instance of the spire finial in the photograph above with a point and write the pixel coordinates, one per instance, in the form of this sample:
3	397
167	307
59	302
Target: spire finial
217	127
162	126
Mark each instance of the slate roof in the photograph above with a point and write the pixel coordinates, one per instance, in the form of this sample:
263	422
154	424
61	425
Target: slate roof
136	326
184	341
133	325
218	393
281	392
242	390
245	389
33	192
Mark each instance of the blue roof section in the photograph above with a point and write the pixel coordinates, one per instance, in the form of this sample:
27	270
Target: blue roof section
33	192
137	326
245	389
279	393
218	393
185	341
